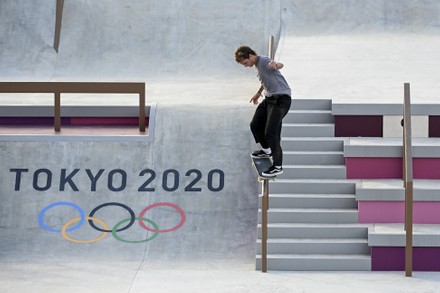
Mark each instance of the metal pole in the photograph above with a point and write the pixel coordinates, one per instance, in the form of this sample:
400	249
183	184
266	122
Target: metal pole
58	21
403	150
57	110
142	111
264	207
271	51
408	183
409	229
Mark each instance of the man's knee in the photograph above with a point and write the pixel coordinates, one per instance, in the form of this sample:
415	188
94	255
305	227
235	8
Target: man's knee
272	138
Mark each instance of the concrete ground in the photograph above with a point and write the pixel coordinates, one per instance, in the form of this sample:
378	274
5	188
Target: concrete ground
225	278
346	50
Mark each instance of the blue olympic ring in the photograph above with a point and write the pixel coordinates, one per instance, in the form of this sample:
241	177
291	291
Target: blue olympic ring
60	203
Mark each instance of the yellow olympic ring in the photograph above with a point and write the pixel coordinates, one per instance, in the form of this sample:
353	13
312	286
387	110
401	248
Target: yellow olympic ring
68	224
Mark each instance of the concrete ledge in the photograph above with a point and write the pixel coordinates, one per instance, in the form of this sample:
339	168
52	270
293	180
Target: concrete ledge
76	138
392	126
84	111
72	111
390	147
343	109
392	190
424	235
388	241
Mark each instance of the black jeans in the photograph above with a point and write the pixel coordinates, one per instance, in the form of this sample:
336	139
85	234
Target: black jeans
266	124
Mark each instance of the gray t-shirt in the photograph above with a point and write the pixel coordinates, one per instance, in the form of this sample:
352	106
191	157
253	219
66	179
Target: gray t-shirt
273	81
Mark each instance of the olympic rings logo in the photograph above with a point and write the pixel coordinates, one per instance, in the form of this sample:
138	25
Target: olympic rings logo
77	222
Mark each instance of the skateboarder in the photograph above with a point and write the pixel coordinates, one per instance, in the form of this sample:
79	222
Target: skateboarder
267	121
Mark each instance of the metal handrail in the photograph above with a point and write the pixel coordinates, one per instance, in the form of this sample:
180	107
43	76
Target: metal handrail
264	208
57	88
265	196
408	179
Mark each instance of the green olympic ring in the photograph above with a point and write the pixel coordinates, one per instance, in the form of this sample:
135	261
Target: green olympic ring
115	228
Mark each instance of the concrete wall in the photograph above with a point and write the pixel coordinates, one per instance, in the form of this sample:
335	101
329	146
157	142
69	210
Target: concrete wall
318	17
221	216
132	40
198	158
184	51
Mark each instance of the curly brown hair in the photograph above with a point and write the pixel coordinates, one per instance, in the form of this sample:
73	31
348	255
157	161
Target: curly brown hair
243	53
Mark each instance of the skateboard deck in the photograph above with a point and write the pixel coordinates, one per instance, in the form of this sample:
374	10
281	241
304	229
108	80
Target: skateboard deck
261	165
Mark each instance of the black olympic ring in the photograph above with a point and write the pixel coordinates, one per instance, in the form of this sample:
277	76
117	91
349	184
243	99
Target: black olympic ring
132	216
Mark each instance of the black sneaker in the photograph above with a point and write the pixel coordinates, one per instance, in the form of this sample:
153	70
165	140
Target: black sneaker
260	154
273	171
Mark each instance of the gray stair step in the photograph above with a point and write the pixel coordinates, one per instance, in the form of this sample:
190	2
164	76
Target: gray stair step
304	230
311	104
313	172
320	262
308	130
312	144
328	201
339	216
313	158
315	246
312	216
316	186
309	116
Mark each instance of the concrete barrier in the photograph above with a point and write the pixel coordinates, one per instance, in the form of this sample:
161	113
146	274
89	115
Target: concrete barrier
198	163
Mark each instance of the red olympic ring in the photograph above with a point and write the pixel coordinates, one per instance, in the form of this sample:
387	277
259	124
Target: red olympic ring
176	207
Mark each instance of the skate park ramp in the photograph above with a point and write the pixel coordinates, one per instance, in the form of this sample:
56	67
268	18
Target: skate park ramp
361	51
153	41
340	49
197	164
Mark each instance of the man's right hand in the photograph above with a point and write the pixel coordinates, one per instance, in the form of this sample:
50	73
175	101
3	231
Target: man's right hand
255	98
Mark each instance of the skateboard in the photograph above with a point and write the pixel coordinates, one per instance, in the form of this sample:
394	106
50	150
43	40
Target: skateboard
261	165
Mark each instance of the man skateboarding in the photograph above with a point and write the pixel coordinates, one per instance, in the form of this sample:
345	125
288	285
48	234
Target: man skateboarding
267	121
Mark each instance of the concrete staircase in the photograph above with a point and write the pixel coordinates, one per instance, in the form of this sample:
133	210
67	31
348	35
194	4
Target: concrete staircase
312	216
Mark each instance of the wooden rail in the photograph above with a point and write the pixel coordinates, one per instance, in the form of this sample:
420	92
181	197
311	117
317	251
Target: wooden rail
408	179
58	88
